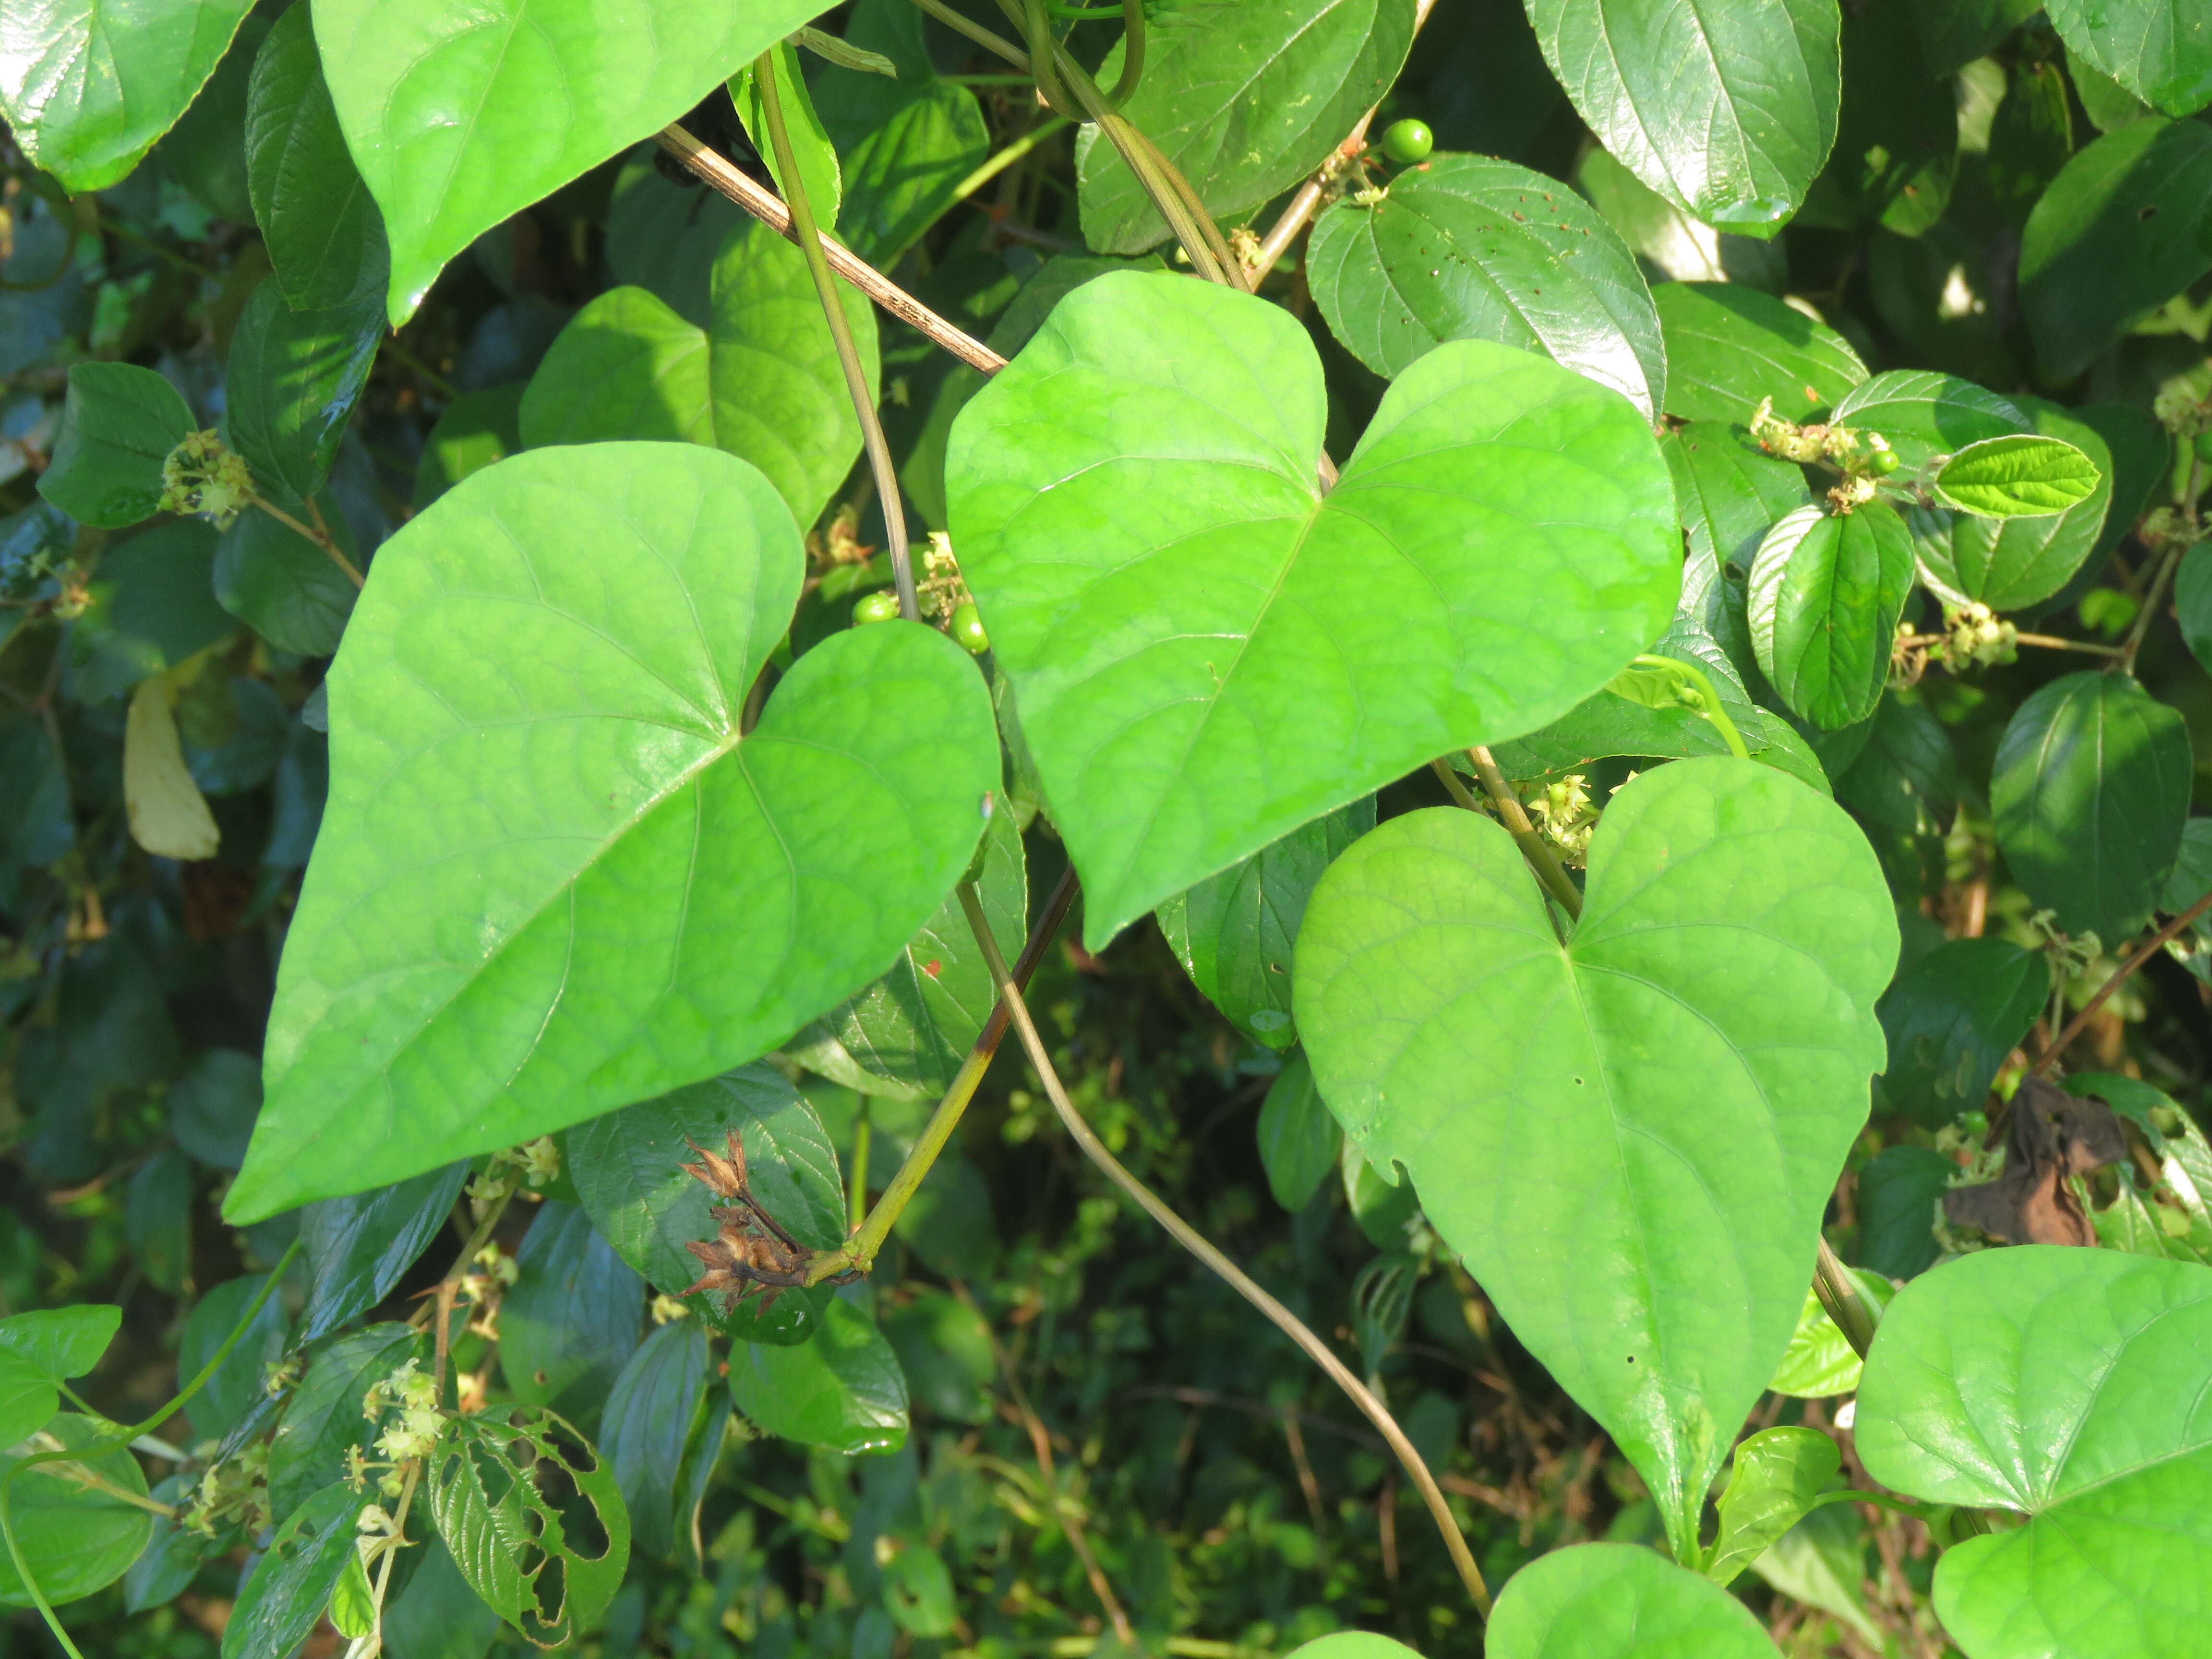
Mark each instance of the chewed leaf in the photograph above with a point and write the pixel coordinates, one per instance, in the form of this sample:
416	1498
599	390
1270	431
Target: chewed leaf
2018	476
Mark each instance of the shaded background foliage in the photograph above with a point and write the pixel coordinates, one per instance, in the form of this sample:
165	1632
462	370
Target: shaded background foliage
1087	1407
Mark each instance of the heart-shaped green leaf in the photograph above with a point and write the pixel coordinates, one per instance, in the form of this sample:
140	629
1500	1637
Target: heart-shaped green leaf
554	877
2090	792
1207	651
2020	476
118	425
1471	248
2069	1385
1244	101
459	115
88	85
1728	112
1619	1601
1825	595
628	1167
2159	50
761	381
75	1539
1728	346
1629	1136
322	230
2009	563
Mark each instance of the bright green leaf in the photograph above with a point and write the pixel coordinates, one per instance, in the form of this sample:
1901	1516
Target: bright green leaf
88	85
2159	50
1619	1601
1244	101
570	1319
1773	1480
810	147
75	1539
1825	595
322	230
2020	476
1207	652
627	1170
2125	226
901	175
1352	1644
762	382
2091	787
40	1350
294	378
551	878
2067	1385
1923	414
1727	112
1729	346
2010	563
1678	246
841	1391
118	427
1469	248
1233	932
1951	1020
1820	1363
1712	1019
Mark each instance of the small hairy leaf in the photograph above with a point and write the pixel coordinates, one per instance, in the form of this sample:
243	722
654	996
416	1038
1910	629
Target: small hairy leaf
2017	477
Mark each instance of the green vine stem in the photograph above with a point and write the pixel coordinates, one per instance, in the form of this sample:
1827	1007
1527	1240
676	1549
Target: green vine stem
1549	871
1709	700
856	1205
1010	997
120	1439
841	331
859	1252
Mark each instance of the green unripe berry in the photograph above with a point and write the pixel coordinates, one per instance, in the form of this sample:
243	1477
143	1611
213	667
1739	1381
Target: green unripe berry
1882	462
1407	141
879	607
968	628
1974	1123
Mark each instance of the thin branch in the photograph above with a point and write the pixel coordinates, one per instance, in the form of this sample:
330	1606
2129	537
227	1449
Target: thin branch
2150	947
1541	859
1184	1234
764	205
321	539
1307	203
814	245
2152	600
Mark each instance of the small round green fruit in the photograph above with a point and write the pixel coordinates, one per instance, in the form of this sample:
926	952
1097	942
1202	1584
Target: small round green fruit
1882	462
1407	141
880	607
968	628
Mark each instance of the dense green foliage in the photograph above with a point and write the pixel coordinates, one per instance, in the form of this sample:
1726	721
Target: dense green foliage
1580	720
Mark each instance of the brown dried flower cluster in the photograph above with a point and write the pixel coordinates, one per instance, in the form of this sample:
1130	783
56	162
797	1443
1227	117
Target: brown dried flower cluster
750	1251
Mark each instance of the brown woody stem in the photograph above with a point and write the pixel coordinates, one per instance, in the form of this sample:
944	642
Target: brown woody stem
2156	942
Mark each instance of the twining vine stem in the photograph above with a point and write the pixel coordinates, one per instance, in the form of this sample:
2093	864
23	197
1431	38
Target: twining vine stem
841	331
1010	997
2150	947
1549	871
119	1439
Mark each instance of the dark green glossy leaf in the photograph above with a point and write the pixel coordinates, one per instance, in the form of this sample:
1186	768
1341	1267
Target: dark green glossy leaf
283	1598
907	1034
841	1389
2108	105
1898	1192
2020	476
118	425
205	152
944	1350
1299	1141
1245	100
476	428
2159	50
237	1384
2066	1385
2010	563
2030	138
525	1549
283	586
570	1322
323	232
438	1615
1726	112
626	1167
293	381
2091	787
1730	492
1233	932
2192	599
1776	1475
75	1539
1951	1020
323	1417
761	381
646	1425
1729	346
174	1554
1905	778
1953	33
1451	1031
357	1246
647	900
2125	226
1925	415
1824	598
458	117
1677	244
1469	248
87	87
1161	575
1618	1602
1897	139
